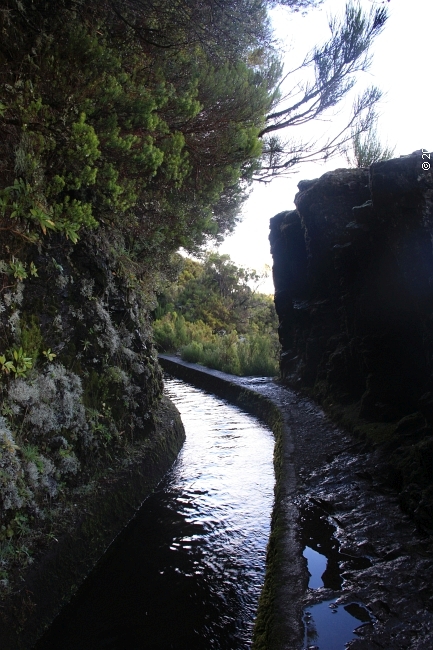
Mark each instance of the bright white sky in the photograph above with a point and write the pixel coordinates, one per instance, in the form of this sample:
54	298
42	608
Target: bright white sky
401	68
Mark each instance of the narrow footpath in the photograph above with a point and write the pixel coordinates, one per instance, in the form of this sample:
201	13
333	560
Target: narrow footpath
330	496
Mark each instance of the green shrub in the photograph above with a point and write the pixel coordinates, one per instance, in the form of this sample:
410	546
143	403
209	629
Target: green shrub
193	352
256	354
165	334
217	305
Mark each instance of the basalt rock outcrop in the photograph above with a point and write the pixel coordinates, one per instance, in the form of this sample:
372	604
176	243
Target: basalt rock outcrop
353	274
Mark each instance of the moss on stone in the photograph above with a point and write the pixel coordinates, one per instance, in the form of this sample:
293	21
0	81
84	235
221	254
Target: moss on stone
31	336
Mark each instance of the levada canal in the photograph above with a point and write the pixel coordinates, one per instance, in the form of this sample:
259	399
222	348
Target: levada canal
187	572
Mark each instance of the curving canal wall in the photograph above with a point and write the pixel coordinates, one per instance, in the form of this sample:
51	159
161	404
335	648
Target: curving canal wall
279	619
331	495
385	568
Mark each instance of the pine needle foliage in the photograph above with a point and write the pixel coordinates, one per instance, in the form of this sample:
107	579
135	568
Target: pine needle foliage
366	148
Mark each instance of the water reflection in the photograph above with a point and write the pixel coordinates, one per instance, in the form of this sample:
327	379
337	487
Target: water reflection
325	560
329	626
188	571
316	567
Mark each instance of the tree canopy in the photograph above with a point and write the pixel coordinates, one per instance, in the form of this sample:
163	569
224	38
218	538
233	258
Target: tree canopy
332	68
150	118
219	293
102	124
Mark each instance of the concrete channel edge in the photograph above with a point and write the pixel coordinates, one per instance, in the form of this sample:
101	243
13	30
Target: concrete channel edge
278	624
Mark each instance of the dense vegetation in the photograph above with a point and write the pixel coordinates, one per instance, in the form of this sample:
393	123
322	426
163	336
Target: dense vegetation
213	316
129	128
101	126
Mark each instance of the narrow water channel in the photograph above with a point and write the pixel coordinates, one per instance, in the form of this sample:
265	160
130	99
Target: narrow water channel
187	572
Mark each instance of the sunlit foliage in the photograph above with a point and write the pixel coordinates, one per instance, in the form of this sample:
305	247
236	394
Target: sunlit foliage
212	315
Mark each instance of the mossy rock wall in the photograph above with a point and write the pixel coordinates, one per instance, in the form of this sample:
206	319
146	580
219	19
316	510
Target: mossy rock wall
83	431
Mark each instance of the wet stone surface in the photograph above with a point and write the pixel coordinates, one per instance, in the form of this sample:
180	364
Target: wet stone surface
378	565
325	560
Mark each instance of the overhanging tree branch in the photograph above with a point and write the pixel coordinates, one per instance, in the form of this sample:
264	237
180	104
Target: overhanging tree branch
334	65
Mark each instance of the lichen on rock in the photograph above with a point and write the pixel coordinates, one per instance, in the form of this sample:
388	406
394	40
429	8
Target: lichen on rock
79	382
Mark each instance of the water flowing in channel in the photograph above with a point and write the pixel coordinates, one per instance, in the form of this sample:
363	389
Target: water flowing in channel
188	571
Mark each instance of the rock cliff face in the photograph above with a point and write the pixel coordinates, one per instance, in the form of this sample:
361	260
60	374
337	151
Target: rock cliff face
85	433
91	378
353	274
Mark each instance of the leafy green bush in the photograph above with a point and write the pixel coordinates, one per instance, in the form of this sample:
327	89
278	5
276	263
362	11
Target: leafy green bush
224	324
222	353
171	332
193	352
258	355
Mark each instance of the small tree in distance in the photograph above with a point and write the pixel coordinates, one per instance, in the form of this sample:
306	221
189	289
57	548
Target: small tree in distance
365	148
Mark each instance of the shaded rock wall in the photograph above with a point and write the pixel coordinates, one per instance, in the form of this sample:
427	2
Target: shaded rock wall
99	517
85	432
353	274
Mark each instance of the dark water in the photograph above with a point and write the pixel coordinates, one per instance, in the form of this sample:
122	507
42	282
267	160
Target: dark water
188	571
